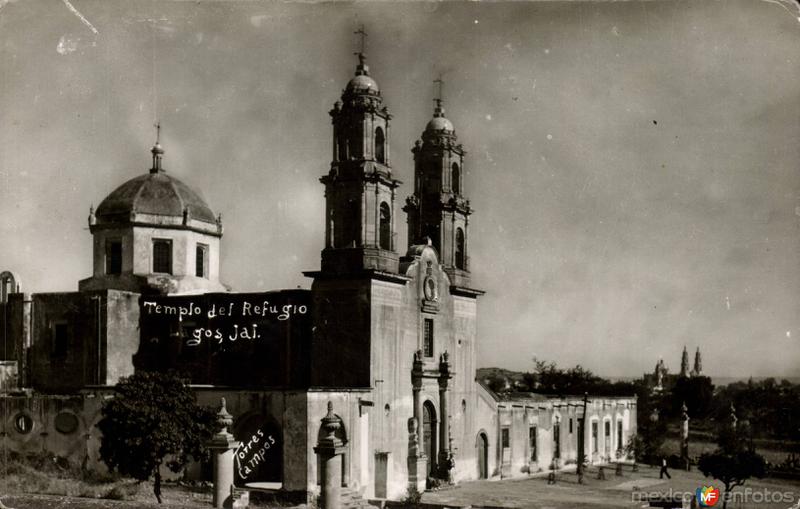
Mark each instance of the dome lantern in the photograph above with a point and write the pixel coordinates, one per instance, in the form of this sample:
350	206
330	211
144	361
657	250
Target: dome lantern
157	151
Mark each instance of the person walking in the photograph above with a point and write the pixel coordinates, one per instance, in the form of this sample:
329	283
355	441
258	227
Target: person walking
664	471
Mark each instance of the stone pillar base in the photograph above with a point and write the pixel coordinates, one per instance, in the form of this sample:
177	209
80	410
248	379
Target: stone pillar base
417	472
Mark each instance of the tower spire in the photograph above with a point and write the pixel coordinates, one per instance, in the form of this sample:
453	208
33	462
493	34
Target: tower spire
157	150
362	68
684	363
439	98
698	363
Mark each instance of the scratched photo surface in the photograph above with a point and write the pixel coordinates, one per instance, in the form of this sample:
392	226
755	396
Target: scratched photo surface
634	167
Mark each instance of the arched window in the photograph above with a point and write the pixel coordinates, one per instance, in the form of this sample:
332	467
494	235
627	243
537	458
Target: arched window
386	227
355	224
460	249
456	179
341	150
380	143
355	142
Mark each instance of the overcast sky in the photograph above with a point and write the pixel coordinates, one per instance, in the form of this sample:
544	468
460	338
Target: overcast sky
634	166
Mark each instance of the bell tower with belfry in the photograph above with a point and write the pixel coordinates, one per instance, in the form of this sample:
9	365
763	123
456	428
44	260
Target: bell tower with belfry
439	210
359	188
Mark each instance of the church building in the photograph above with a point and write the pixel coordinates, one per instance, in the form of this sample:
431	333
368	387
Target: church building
387	334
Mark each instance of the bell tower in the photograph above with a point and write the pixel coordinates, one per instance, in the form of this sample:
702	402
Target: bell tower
359	188
439	209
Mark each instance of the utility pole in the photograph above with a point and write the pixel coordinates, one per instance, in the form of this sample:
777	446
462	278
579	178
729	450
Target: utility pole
582	438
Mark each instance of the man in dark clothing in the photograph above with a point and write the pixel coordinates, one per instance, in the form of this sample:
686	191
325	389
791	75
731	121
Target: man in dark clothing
664	469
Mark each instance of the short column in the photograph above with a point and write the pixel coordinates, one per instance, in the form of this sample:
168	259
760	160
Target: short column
223	448
329	449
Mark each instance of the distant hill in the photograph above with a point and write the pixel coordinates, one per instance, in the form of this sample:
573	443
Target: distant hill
511	376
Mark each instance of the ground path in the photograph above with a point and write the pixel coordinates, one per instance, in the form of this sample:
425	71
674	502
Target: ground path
612	493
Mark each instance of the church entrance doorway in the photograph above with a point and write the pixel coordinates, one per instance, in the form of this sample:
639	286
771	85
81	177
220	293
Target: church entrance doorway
483	456
429	429
259	458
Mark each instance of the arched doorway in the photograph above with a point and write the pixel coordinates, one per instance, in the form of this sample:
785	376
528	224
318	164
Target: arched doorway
429	432
259	458
482	453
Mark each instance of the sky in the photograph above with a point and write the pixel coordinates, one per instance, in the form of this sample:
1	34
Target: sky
634	166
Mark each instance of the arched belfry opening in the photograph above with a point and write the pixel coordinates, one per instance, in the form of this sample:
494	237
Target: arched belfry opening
459	250
455	179
385	227
380	145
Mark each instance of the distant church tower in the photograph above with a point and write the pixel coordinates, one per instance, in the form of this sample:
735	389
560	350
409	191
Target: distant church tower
698	364
439	209
359	188
684	363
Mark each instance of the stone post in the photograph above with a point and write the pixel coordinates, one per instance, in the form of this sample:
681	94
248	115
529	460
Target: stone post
417	464
416	385
582	440
445	458
330	450
223	448
685	435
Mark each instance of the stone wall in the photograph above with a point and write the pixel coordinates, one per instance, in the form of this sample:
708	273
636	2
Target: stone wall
63	426
80	339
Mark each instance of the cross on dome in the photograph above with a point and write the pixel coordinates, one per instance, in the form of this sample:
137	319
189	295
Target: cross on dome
157	150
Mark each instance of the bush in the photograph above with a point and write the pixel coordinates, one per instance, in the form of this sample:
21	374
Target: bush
413	497
123	491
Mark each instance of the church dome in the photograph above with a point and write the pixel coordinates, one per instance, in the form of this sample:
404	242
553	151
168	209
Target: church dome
439	124
156	194
362	83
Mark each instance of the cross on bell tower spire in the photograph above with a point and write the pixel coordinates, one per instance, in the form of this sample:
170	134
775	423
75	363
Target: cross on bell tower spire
363	35
362	68
439	98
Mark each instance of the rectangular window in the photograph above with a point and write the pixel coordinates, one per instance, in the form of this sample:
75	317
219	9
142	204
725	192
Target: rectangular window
427	343
60	339
620	445
201	261
162	256
570	425
532	442
594	436
506	445
113	256
557	439
608	429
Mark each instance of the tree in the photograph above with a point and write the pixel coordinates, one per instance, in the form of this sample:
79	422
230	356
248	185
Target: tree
153	420
497	383
732	463
697	392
